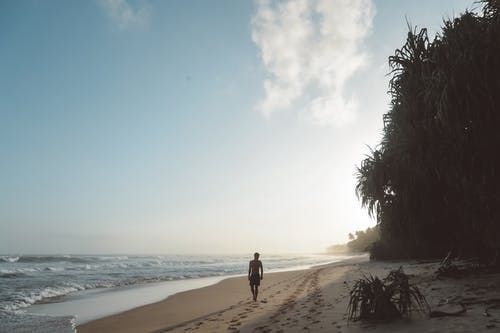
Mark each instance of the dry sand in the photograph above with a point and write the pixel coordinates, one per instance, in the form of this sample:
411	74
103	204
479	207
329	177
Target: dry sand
312	300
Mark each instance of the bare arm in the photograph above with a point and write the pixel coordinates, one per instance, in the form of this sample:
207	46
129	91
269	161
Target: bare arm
261	271
249	268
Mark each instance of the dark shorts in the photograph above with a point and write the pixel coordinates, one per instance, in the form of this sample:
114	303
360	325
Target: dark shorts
254	280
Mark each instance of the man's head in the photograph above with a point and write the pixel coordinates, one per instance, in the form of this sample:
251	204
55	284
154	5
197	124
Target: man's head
256	255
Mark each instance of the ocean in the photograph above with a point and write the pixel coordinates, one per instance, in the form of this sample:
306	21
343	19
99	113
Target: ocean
53	293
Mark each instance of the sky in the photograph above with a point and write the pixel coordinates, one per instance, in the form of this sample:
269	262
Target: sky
192	127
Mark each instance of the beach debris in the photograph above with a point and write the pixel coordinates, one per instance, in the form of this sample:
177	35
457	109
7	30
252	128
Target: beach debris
459	268
447	260
447	268
374	299
439	314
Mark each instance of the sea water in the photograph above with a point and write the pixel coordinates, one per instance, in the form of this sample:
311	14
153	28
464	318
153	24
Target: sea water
26	281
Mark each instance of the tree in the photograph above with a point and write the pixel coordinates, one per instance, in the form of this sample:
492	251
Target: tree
432	182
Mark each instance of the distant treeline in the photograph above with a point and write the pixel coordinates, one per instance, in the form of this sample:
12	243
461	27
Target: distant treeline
433	182
360	241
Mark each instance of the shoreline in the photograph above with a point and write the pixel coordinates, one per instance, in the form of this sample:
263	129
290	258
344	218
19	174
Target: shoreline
93	304
312	300
88	305
222	296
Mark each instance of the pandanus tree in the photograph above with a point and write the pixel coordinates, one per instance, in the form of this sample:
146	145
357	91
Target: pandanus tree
433	182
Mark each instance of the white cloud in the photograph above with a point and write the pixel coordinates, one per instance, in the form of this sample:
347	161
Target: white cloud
125	16
311	48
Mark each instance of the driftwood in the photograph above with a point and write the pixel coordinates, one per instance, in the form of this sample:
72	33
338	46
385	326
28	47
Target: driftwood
438	314
446	260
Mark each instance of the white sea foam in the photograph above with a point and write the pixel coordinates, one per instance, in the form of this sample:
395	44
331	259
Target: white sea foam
25	300
20	270
9	259
112	258
54	269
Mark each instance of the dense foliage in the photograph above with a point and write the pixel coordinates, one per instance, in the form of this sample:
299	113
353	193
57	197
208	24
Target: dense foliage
433	181
362	241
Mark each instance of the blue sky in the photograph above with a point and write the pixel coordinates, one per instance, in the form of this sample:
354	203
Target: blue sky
191	126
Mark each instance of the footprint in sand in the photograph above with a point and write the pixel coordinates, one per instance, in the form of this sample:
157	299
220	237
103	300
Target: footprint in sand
264	329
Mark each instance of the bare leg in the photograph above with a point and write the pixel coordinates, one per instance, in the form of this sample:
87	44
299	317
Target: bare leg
253	292
256	293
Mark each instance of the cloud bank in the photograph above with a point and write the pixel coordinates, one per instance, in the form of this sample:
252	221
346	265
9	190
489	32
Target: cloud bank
125	16
311	48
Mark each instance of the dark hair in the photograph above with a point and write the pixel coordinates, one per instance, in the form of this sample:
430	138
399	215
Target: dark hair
256	254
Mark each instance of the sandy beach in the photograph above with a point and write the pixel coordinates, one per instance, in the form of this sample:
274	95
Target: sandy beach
312	300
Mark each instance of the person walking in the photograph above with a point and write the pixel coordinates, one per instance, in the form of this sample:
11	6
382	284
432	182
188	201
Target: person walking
255	274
